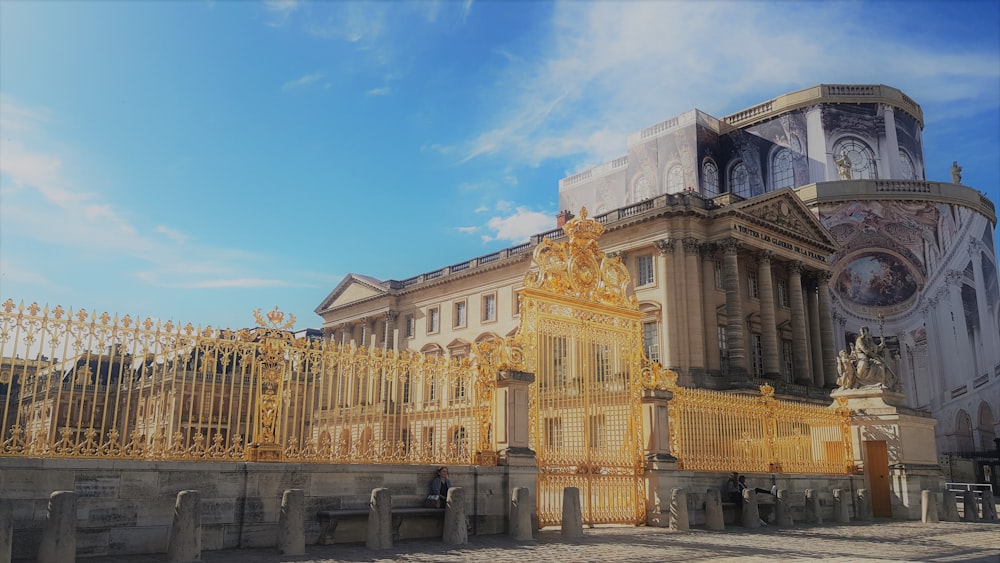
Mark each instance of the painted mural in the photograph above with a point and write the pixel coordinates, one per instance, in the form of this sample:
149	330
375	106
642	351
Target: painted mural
876	279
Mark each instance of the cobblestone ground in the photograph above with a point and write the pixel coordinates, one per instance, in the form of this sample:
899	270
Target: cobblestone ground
880	541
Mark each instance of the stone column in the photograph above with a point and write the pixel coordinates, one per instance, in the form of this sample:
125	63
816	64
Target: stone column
455	530
656	425
681	321
58	541
826	331
678	510
815	345
819	169
710	318
572	516
389	318
891	143
768	325
510	418
928	507
184	540
521	509
291	523
987	323
800	350
735	337
378	534
696	340
670	334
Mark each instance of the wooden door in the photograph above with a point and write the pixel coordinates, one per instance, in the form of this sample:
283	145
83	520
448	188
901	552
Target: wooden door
877	470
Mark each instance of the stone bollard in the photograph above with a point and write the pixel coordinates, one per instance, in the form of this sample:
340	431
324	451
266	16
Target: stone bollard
456	532
865	505
6	531
679	510
928	507
572	516
813	514
291	523
841	506
782	512
750	514
949	505
184	541
989	507
713	510
971	506
58	542
521	509
379	532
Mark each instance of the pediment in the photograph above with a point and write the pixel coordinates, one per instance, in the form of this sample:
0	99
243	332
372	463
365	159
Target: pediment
784	211
351	289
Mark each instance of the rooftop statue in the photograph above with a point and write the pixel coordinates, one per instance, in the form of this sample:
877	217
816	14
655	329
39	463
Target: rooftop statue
844	165
866	365
956	173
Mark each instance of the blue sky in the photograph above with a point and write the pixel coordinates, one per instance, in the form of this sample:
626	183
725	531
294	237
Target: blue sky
195	161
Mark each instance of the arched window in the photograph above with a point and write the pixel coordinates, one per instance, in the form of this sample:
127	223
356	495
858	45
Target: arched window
782	171
906	169
739	180
709	178
675	179
641	190
861	156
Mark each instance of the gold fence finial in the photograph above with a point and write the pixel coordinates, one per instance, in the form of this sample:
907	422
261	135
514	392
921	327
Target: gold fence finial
274	319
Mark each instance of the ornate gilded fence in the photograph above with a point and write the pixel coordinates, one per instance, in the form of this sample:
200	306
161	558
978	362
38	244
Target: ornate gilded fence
713	431
79	384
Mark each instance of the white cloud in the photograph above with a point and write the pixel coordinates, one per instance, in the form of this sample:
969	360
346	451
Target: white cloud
303	81
172	234
481	209
520	226
467	230
383	91
504	206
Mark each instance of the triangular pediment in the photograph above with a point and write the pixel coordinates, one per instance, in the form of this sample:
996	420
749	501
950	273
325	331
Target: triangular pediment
783	211
351	289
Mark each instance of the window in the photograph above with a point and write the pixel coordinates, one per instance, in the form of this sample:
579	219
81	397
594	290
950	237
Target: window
723	351
406	387
862	158
489	307
459	441
459	314
644	274
431	389
429	438
409	325
753	291
597	431
553	432
555	355
433	320
907	171
459	392
675	179
739	180
718	275
782	171
602	362
651	341
709	178
641	189
786	360
783	293
516	298
758	357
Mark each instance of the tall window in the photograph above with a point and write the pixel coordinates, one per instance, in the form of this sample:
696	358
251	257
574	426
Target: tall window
861	156
783	293
709	178
758	357
651	341
433	320
602	361
675	179
788	366
723	351
516	298
718	275
406	387
782	171
907	170
553	432
489	307
459	441
644	275
753	290
409	325
459	314
739	180
597	431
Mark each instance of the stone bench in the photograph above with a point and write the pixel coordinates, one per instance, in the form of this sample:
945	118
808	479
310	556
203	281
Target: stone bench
329	519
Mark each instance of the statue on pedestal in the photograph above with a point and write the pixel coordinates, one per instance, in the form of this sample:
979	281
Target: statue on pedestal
844	165
866	364
956	173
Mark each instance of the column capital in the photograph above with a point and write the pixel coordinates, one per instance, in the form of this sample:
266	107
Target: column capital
691	245
665	245
975	247
794	267
955	277
708	249
390	316
824	276
764	257
619	254
730	245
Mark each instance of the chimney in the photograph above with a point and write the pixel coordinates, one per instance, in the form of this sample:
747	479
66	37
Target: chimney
562	218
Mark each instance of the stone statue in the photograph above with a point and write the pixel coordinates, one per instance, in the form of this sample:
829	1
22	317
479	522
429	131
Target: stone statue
866	365
956	173
843	165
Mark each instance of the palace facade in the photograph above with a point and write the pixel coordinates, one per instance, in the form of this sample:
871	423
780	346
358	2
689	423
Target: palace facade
758	245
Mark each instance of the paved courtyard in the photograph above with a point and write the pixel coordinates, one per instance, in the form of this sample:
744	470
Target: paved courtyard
880	541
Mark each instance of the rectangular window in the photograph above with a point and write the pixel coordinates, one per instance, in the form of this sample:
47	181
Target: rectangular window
431	390
644	271
783	293
787	363
406	387
651	341
429	438
433	320
459	314
758	358
517	302
723	351
489	307
459	392
602	361
752	290
410	325
553	432
597	431
718	275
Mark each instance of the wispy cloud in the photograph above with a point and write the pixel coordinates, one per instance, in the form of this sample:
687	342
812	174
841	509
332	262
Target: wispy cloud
518	226
602	75
303	81
467	230
172	234
383	91
280	11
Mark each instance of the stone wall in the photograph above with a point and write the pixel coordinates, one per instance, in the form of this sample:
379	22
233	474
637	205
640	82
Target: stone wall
126	507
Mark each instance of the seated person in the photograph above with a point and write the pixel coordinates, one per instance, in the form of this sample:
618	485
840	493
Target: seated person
742	484
733	493
438	495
